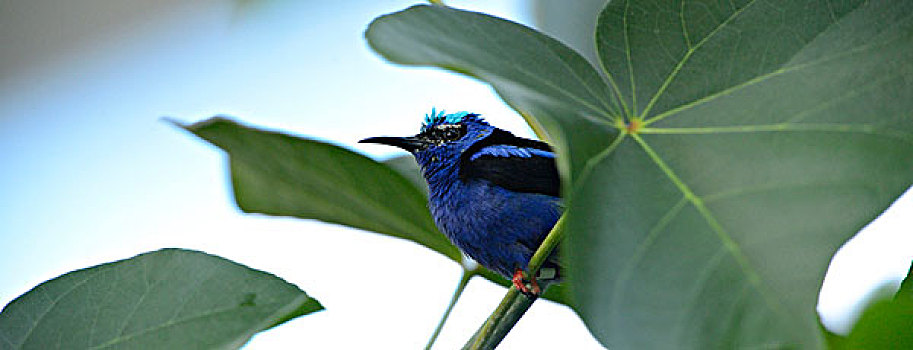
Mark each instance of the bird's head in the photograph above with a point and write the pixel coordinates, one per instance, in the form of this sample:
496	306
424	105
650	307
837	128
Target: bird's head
442	136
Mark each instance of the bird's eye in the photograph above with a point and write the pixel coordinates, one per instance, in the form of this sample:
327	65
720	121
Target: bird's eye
449	133
456	133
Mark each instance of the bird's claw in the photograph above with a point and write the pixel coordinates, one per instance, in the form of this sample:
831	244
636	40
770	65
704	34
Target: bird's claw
528	287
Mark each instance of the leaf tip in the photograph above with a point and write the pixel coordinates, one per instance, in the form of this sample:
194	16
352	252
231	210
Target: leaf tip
173	121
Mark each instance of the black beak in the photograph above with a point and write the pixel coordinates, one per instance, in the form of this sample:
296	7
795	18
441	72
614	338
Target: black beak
410	144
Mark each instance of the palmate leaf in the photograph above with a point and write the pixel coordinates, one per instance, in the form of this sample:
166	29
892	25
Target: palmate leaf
773	131
167	299
278	174
758	137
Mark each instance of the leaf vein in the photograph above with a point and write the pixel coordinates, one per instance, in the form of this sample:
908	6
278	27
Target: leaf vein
589	89
699	286
687	56
870	45
627	271
731	246
170	323
54	302
785	127
681	16
633	81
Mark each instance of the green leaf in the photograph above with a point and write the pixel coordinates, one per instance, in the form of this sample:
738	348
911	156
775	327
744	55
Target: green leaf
167	299
757	137
278	174
773	131
906	287
833	341
887	323
408	168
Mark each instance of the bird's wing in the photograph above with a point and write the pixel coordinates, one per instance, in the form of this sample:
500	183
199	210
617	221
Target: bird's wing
514	163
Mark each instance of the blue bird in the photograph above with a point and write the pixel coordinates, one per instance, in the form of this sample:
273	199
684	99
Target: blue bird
493	194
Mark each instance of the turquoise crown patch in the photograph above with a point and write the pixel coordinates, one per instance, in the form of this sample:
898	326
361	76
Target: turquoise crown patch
442	117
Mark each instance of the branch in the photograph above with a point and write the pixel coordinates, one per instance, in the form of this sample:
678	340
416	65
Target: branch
464	280
501	321
514	304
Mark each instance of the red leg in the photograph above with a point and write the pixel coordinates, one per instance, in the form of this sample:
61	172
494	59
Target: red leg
519	281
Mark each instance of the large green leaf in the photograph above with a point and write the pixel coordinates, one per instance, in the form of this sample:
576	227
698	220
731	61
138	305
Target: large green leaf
278	174
761	135
778	130
167	299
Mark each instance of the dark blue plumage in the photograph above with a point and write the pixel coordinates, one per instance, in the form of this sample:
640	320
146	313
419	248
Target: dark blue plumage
495	195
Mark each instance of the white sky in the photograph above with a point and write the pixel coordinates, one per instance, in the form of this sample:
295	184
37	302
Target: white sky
91	174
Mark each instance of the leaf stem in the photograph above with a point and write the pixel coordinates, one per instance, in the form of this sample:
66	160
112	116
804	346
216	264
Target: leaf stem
464	280
514	304
501	321
545	249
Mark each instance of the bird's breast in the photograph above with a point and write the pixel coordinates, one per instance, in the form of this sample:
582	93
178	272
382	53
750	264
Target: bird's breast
494	226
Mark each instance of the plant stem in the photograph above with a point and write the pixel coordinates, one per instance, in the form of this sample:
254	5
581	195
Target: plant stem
514	304
501	321
464	280
545	249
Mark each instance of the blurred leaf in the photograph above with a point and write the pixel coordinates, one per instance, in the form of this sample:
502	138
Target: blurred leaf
278	174
759	137
887	324
408	168
167	299
833	341
906	287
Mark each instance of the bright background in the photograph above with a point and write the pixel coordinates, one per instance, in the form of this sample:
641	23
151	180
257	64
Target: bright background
91	174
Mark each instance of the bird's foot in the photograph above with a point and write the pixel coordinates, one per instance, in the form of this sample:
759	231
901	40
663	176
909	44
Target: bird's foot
527	286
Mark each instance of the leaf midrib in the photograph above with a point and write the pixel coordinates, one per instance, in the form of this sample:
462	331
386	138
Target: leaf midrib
728	242
173	322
